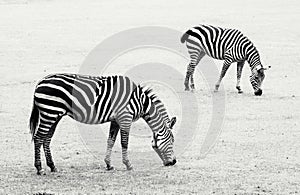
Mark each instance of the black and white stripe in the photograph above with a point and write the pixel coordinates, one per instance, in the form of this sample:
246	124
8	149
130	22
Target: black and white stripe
229	45
96	100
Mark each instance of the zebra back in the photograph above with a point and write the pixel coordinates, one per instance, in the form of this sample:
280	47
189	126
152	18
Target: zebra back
221	43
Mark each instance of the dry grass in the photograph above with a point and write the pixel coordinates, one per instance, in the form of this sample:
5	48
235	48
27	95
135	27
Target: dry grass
257	152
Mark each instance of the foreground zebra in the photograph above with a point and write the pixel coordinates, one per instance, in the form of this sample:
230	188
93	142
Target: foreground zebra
96	100
229	45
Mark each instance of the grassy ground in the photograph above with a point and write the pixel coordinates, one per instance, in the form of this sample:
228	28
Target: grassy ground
257	151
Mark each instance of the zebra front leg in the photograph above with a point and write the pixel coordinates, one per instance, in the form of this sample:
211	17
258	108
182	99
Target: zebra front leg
239	67
113	132
223	72
124	143
47	151
37	155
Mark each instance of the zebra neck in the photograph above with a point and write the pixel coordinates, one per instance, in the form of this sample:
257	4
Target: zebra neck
253	58
162	110
134	105
155	112
156	120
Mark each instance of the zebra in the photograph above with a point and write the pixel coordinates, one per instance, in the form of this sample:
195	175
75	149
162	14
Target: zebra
229	45
96	100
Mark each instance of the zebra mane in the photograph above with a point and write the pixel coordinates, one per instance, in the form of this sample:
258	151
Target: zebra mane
149	92
159	106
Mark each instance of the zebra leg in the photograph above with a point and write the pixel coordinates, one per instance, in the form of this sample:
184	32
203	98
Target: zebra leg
124	143
200	56
195	59
37	155
187	79
46	146
190	71
239	67
223	72
44	132
125	125
50	163
113	132
192	79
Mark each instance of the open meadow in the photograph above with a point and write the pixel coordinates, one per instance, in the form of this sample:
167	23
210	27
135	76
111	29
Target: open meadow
257	151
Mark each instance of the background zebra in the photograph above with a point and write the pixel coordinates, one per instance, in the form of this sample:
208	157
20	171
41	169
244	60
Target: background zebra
96	100
229	45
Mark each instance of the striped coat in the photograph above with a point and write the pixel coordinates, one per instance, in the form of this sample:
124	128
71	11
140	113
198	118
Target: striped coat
96	100
229	45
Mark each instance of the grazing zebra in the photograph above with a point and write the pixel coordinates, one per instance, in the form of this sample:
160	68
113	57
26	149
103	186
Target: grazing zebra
96	100
229	45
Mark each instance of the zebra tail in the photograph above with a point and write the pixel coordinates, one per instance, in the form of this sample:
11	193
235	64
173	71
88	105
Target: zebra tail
185	36
34	118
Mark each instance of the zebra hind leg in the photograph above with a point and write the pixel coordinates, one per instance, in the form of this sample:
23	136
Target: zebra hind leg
195	59
113	132
189	76
37	155
43	136
192	82
47	151
46	146
186	82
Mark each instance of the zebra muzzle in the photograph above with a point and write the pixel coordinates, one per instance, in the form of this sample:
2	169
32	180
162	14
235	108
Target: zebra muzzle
171	163
258	92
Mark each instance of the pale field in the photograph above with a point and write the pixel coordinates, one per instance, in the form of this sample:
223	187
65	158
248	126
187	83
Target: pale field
257	152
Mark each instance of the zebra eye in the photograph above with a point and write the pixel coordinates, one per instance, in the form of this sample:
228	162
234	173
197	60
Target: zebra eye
152	142
154	145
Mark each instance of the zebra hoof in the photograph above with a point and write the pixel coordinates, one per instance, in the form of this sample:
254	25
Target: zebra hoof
216	88
192	86
239	89
54	169
41	172
110	168
129	168
187	89
258	92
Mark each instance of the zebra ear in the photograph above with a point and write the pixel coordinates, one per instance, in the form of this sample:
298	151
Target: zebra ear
153	143
172	122
267	68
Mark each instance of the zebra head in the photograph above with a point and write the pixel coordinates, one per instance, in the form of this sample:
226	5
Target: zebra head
256	79
155	114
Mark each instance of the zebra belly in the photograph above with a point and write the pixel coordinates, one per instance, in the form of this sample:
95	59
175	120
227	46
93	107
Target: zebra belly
97	122
216	57
91	116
